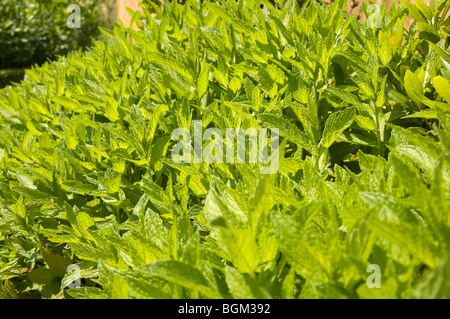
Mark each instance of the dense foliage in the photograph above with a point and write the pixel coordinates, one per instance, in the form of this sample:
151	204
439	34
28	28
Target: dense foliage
32	31
86	175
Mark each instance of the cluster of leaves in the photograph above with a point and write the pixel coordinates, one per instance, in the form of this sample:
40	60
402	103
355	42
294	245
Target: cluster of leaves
32	31
86	175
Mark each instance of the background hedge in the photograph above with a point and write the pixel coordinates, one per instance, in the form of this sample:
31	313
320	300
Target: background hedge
33	31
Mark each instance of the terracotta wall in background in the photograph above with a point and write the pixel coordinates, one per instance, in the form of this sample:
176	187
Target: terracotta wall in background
122	13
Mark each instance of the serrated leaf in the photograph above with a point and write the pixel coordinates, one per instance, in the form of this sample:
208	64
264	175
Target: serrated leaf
180	274
288	131
425	9
241	248
413	11
408	239
57	263
344	95
413	87
42	276
442	87
428	32
336	124
203	79
306	259
242	287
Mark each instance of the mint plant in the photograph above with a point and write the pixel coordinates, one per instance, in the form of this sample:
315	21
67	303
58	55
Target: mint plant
87	177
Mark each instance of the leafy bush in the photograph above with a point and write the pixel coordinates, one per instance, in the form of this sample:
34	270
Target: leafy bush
87	177
32	31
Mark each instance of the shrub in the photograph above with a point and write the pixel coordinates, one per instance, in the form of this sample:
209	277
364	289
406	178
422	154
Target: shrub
33	31
87	177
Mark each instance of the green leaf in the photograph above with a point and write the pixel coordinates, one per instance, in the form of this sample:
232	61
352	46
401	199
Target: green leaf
289	131
336	124
84	221
41	276
87	293
154	229
241	249
434	283
424	9
143	287
242	287
57	263
180	274
117	287
82	189
306	259
413	11
413	87
443	54
365	123
428	32
388	208
442	87
408	239
222	208
85	269
260	200
344	95
203	79
426	114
